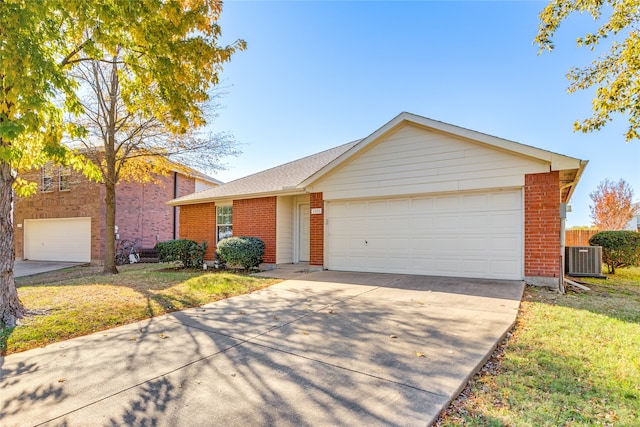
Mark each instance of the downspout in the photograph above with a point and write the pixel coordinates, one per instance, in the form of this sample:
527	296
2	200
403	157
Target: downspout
175	208
563	225
563	219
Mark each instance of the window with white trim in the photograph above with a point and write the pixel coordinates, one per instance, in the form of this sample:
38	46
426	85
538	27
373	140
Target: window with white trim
64	179
224	222
48	176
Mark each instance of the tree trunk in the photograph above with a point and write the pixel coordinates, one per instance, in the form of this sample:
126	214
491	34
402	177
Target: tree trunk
110	236
11	308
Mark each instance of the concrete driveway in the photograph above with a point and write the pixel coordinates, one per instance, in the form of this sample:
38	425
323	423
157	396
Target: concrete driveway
27	268
328	348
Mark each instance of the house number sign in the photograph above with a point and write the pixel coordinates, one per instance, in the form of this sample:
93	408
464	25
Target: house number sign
316	211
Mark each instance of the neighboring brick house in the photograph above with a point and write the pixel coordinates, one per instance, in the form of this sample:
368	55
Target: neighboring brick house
417	196
65	219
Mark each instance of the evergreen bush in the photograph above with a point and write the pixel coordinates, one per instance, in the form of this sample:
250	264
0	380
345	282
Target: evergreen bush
187	252
244	251
620	248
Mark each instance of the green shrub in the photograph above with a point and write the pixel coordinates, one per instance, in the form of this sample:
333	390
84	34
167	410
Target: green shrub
619	248
187	252
244	251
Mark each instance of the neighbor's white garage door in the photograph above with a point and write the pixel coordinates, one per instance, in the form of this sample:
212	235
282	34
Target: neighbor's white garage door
459	235
60	239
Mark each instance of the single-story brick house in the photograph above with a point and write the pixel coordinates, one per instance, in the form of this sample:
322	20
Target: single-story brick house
65	219
416	196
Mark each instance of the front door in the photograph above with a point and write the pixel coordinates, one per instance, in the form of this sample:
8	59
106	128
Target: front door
303	232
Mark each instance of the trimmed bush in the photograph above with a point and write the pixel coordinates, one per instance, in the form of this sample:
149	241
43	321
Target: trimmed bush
244	251
620	248
187	252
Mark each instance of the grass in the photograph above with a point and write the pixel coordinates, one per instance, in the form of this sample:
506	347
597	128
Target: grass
572	360
80	300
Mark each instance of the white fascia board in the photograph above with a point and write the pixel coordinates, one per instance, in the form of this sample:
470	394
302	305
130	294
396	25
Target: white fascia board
226	199
583	165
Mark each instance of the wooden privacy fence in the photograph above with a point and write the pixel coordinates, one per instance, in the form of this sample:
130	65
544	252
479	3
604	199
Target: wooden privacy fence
578	237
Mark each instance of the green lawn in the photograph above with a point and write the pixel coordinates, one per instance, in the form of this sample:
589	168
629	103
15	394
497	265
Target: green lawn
80	301
573	360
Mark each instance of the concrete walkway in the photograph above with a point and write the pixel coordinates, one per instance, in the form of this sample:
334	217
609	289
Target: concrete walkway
330	348
28	268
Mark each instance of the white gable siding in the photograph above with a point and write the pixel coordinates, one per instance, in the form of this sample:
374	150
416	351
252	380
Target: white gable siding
284	230
203	185
414	160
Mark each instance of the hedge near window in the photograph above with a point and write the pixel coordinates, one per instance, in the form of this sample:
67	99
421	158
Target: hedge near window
188	252
244	251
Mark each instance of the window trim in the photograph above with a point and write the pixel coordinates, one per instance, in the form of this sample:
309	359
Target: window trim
223	224
64	172
47	174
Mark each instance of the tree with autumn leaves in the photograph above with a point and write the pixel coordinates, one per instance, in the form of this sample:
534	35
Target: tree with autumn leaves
615	75
612	205
172	59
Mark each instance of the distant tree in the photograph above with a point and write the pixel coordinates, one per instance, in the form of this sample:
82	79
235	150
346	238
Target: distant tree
612	205
616	74
131	141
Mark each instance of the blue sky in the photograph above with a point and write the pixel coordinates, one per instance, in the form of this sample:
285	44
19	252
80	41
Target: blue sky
319	74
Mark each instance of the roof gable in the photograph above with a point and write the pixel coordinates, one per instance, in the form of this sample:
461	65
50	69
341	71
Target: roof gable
299	176
556	161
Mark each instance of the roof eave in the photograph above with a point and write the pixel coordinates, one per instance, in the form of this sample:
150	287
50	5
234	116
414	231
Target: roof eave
572	188
283	192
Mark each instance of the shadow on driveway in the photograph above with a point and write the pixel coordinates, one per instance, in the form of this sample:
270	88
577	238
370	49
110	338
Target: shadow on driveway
329	348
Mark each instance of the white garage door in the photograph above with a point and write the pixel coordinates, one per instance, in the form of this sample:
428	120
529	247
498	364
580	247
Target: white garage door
60	239
459	235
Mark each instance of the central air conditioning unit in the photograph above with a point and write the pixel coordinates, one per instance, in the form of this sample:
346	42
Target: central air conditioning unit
583	261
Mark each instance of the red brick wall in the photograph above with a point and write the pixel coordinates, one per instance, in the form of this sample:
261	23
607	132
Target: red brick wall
542	225
316	238
142	212
198	222
257	218
84	199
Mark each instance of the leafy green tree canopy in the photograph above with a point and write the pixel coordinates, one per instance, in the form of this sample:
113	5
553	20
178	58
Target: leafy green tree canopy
171	52
614	75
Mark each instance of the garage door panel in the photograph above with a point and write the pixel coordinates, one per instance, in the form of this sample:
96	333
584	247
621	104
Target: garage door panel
375	224
478	202
470	223
399	205
446	223
504	268
59	239
422	205
447	266
509	244
504	200
464	234
477	267
474	244
447	203
505	221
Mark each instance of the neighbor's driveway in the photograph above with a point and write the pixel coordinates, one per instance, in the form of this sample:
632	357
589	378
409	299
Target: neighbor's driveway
329	348
27	268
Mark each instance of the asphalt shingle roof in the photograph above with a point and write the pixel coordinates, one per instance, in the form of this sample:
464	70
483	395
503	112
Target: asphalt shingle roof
279	178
